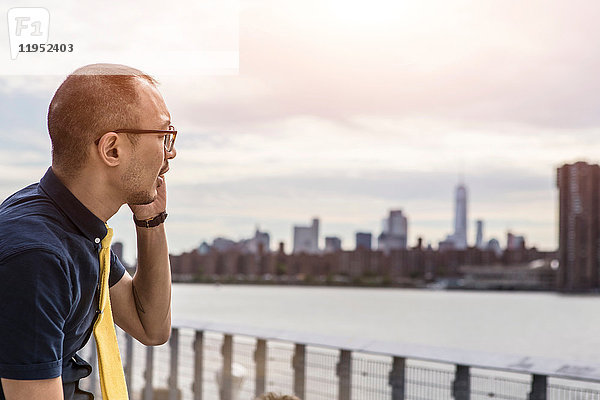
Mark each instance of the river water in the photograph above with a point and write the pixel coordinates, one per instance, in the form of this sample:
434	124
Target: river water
528	324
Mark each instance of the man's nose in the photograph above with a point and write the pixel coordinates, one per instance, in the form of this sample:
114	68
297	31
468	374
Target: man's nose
171	154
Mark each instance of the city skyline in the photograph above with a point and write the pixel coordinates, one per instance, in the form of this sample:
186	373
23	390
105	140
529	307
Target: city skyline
349	109
392	236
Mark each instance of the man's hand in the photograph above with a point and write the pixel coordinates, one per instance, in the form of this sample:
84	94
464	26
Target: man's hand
47	389
142	305
159	204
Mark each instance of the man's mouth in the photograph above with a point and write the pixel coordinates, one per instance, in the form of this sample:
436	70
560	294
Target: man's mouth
161	174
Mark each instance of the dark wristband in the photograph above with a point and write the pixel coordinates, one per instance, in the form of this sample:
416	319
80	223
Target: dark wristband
151	222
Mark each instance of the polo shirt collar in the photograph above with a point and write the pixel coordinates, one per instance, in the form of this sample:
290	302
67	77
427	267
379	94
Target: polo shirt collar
90	226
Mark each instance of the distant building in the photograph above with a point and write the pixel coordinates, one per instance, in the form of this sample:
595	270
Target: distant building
332	244
419	245
479	237
458	239
579	226
446	244
117	248
222	244
460	218
306	238
395	232
514	242
260	243
397	224
204	248
494	245
363	240
419	262
263	240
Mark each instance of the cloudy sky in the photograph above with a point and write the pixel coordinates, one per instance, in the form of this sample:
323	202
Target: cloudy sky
341	109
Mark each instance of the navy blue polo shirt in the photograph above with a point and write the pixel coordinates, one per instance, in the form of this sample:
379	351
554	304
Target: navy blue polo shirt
49	268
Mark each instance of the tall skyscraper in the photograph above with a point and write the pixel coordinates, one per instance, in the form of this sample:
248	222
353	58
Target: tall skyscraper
579	226
458	239
479	237
306	238
460	217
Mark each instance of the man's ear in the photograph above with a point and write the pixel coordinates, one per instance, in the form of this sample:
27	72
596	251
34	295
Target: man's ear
109	149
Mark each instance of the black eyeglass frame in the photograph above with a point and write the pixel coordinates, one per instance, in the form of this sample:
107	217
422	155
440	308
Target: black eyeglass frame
171	132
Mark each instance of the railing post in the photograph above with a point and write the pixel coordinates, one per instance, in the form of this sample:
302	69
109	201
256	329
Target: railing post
299	364
260	360
344	372
129	363
397	378
226	379
174	370
539	387
149	373
198	365
461	387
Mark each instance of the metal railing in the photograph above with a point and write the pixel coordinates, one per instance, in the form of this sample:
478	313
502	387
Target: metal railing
207	361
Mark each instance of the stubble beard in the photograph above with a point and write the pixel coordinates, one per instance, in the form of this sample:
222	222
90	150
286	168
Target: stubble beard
140	198
132	181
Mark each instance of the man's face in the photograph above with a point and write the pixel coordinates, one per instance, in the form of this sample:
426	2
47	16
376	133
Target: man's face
148	159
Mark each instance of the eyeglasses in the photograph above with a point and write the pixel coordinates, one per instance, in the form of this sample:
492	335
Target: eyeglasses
170	135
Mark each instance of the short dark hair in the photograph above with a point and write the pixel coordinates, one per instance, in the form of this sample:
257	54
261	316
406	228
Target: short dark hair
93	100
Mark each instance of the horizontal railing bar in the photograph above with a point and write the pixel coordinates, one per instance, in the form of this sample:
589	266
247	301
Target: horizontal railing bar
566	369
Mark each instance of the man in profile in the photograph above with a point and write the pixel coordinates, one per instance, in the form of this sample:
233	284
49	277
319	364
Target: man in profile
112	140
